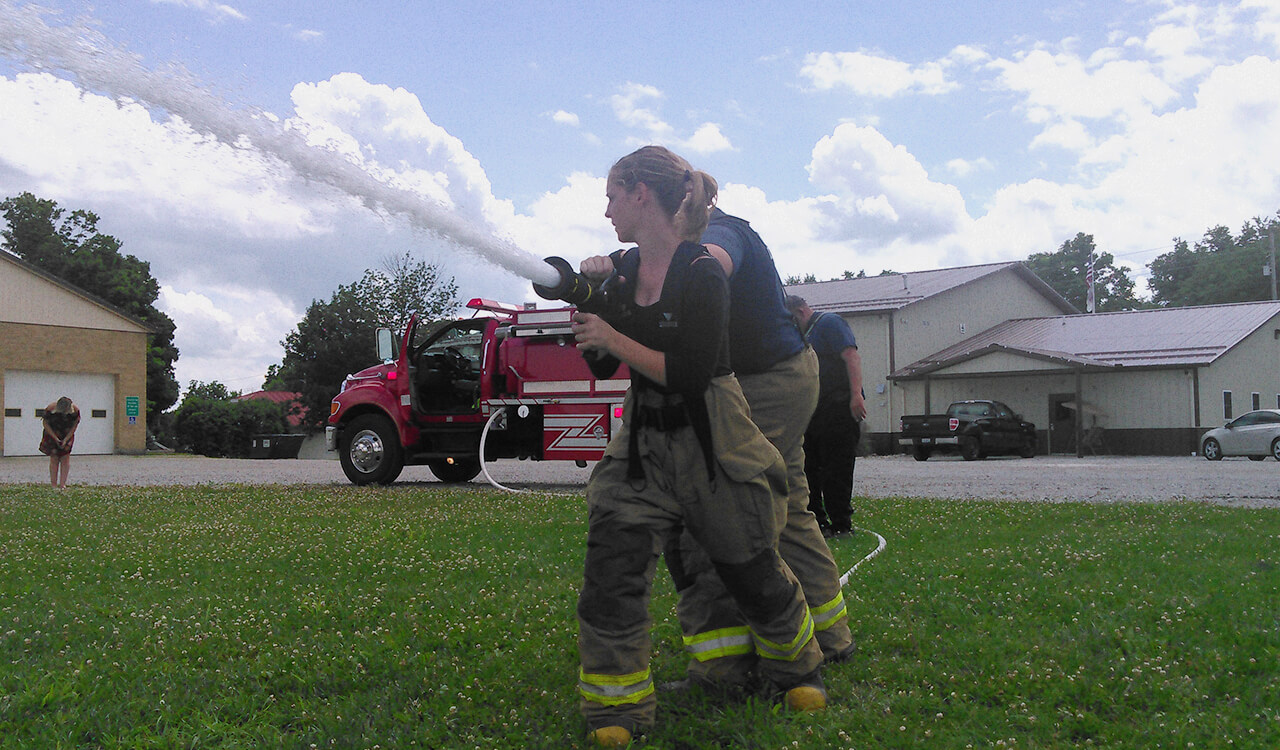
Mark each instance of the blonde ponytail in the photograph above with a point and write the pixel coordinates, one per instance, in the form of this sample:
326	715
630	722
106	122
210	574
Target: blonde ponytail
686	194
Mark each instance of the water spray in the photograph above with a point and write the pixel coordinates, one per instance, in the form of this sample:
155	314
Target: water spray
98	64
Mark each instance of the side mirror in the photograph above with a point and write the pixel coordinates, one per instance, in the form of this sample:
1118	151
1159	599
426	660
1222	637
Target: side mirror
386	345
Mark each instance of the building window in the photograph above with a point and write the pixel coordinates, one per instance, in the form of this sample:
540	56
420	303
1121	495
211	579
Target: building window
1226	404
102	413
39	413
18	412
1257	401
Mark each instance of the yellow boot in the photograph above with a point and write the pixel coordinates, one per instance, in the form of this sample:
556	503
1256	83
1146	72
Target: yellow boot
806	698
610	737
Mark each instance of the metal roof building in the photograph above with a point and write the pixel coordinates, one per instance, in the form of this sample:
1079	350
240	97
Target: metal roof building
1150	380
898	290
903	317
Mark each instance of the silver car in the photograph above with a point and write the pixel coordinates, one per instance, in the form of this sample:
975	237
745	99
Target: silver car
1256	435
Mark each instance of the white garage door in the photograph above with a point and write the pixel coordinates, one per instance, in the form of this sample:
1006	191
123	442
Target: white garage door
25	392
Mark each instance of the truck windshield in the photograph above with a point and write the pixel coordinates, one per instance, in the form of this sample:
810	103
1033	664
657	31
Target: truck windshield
465	340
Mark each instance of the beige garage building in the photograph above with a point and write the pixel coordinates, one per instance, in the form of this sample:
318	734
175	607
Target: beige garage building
1144	382
55	340
902	317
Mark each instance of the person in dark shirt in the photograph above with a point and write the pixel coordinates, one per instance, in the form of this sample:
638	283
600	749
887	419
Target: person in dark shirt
688	457
831	442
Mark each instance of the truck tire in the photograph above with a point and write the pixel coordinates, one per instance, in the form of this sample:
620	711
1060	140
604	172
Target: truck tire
921	453
461	470
970	448
370	451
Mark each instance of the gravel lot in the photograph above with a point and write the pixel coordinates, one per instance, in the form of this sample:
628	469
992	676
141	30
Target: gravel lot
1233	482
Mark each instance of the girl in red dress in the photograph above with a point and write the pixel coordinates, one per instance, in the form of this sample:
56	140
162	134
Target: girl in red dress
60	422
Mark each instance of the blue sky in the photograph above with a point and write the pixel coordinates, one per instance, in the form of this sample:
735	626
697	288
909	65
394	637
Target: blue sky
854	135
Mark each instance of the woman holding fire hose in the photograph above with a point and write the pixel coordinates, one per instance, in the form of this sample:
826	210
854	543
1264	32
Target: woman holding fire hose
688	457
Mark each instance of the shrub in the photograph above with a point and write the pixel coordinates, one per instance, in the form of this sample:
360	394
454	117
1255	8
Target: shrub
220	427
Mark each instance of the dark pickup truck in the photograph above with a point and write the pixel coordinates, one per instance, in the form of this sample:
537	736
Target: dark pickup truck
976	429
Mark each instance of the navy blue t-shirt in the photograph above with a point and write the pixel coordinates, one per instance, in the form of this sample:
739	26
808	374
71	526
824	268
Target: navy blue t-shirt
830	335
761	331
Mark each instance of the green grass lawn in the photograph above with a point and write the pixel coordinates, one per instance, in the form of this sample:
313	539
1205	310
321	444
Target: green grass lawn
348	617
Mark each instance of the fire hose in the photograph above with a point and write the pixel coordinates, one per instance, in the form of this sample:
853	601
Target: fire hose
484	434
577	290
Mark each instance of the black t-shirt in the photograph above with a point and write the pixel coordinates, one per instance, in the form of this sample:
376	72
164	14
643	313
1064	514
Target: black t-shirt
687	323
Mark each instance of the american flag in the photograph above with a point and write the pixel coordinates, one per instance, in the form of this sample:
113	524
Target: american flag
1088	280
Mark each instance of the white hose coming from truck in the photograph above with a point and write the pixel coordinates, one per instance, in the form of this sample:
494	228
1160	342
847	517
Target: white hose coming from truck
484	434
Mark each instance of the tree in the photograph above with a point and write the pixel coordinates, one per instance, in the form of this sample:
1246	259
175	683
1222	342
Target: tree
69	246
210	422
1219	269
1066	271
337	337
273	381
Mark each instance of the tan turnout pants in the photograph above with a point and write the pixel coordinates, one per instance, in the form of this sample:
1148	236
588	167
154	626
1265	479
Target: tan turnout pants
732	514
781	401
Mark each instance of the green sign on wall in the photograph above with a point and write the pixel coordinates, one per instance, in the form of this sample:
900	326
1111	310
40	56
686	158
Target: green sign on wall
131	406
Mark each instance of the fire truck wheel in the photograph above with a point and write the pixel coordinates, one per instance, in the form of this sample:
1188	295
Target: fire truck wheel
460	470
370	450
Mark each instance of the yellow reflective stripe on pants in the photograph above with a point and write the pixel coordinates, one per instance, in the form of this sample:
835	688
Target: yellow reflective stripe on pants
829	613
789	651
716	644
615	689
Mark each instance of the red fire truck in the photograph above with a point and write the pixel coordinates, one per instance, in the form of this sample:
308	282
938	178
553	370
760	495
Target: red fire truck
509	378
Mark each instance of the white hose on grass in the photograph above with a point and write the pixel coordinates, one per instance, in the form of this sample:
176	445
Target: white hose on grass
484	435
844	579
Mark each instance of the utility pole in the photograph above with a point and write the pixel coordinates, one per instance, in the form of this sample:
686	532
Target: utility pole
1271	234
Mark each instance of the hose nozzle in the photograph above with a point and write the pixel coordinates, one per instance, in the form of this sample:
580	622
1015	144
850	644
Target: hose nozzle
573	288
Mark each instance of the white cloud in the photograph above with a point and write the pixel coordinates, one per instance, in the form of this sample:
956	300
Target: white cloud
707	139
966	54
872	75
1212	163
217	11
308	35
388	131
1063	86
1266	24
629	107
1067	133
966	167
633	107
568	222
561	117
228	334
879	191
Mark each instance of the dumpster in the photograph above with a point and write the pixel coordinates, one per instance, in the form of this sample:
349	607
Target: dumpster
275	446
